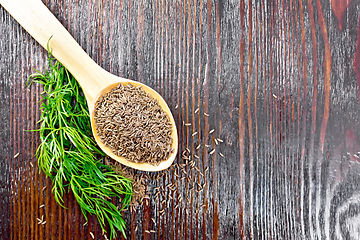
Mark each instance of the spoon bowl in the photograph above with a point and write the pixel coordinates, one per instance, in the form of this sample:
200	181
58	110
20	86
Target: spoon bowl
95	81
141	166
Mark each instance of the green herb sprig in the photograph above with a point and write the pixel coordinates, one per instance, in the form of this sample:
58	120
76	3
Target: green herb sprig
68	154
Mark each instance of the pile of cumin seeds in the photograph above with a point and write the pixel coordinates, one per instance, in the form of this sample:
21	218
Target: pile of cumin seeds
138	181
133	125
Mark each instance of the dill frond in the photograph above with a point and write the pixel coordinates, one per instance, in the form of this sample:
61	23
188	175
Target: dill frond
68	154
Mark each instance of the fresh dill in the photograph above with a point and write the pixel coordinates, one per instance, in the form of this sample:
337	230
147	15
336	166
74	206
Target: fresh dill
68	154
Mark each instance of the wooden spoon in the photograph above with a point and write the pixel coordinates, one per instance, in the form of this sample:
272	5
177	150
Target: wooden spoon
37	20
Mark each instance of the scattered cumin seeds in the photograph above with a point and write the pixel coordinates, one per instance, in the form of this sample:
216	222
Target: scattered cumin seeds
187	124
92	235
216	142
221	154
41	206
211	131
31	164
194	134
43	222
220	140
152	231
16	155
136	228
212	151
196	111
147	231
133	125
206	114
176	106
198	146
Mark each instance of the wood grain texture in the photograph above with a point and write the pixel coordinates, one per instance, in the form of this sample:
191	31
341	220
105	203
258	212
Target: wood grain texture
277	81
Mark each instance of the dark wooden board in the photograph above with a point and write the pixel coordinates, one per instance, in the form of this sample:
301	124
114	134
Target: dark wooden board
280	81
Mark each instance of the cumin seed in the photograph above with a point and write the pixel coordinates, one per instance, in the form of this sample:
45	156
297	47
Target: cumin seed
133	125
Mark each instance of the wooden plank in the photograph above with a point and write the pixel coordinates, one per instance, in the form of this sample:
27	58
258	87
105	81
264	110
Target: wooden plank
278	82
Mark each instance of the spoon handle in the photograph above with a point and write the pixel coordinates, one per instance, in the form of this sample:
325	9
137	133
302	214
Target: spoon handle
42	25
